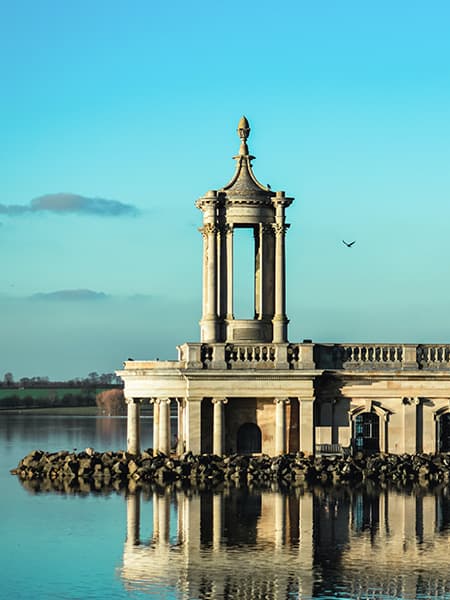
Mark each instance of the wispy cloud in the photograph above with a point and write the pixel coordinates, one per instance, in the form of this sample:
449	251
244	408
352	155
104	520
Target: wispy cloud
72	295
65	203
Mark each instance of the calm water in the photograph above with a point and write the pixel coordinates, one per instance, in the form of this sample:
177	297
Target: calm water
236	545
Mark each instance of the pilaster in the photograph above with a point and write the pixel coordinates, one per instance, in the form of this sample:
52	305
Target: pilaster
306	425
193	425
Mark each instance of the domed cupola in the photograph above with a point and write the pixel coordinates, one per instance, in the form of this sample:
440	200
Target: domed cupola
244	203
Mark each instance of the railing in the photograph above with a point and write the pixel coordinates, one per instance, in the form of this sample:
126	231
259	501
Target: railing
360	356
307	356
433	356
373	355
244	356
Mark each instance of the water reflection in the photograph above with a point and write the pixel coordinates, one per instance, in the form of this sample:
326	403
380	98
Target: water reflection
317	544
57	432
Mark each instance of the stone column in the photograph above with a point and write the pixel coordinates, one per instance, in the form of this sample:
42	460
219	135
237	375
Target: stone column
209	322
267	269
180	426
280	425
280	321
164	425
133	518
306	425
218	425
133	425
155	425
204	273
210	293
211	232
229	245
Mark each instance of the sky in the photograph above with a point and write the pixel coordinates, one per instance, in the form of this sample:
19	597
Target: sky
116	116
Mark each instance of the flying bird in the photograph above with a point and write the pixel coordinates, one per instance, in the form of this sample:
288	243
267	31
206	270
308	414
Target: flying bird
349	245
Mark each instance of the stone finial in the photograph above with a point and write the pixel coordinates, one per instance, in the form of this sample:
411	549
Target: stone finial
243	130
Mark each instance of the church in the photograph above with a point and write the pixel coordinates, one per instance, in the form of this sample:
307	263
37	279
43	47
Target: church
245	388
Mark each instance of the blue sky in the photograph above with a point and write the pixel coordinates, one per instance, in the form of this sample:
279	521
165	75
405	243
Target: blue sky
116	117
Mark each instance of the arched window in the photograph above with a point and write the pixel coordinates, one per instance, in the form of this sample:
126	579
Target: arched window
367	432
249	439
444	433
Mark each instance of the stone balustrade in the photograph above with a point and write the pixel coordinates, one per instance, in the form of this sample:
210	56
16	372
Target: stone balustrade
381	356
433	356
304	356
250	356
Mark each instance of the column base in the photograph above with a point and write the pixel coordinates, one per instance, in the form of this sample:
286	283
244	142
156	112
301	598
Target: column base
280	327
209	328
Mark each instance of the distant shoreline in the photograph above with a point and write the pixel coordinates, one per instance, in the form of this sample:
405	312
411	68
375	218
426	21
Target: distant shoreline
81	411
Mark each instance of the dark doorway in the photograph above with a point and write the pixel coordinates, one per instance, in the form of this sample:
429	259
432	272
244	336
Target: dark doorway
367	432
249	439
444	433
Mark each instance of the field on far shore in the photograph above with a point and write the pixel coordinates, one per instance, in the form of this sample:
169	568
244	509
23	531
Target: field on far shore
13	398
68	411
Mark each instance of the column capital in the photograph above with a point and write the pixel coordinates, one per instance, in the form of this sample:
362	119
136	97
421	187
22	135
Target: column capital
280	228
161	400
131	400
209	229
281	401
219	400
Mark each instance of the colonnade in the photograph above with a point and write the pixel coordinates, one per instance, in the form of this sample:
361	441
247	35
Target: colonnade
189	426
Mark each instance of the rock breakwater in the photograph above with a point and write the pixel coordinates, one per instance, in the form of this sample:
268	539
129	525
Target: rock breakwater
90	470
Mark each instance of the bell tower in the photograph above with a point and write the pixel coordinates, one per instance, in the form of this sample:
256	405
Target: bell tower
244	203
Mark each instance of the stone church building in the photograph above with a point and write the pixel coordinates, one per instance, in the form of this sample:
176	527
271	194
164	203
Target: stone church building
246	388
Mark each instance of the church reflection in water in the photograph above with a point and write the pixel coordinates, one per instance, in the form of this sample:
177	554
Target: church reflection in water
316	544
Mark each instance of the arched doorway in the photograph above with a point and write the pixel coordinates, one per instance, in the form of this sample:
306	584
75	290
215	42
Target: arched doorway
444	433
249	439
367	432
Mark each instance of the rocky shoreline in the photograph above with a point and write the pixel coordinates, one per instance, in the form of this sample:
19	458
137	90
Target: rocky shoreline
95	471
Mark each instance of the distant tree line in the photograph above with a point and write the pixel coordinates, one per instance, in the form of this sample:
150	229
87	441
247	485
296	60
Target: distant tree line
92	380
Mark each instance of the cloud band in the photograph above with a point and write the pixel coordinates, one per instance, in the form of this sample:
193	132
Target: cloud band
65	203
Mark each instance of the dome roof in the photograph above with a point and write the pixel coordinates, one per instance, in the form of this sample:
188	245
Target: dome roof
244	183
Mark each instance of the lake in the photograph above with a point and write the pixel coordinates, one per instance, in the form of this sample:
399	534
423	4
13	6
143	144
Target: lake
237	544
